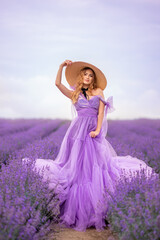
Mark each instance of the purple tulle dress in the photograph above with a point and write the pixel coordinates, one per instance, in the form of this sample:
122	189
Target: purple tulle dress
84	166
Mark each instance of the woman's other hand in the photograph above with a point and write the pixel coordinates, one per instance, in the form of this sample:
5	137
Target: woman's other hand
93	133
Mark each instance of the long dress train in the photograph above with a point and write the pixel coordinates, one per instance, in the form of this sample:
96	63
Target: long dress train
84	166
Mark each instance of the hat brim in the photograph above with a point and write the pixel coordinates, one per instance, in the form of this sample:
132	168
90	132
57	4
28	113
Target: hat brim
73	70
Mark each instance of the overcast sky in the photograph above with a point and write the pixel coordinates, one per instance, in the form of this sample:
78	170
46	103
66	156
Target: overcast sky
120	37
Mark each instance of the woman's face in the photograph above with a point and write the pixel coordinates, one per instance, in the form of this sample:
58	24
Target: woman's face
88	77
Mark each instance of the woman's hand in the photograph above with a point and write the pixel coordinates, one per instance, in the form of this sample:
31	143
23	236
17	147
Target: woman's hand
66	63
59	76
93	133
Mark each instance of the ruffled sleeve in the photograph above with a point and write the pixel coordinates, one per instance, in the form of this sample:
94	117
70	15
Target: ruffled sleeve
108	104
72	87
73	109
109	108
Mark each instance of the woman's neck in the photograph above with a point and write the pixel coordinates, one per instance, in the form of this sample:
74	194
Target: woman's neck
85	85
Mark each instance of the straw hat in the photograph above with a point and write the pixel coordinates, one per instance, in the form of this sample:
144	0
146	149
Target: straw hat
73	70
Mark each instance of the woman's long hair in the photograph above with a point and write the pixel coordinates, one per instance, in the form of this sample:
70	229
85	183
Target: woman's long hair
79	84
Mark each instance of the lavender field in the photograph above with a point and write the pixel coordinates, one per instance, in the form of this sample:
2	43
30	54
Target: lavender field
28	206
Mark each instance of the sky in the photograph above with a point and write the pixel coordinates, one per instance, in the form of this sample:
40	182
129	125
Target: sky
120	37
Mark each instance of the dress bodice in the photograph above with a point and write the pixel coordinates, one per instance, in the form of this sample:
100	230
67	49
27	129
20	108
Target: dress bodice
90	107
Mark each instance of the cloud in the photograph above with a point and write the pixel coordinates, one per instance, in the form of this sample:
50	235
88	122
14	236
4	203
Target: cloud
122	37
150	96
32	97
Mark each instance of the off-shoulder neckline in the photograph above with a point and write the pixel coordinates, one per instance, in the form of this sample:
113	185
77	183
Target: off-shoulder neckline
92	97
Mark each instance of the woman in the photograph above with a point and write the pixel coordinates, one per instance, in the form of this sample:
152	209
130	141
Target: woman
86	163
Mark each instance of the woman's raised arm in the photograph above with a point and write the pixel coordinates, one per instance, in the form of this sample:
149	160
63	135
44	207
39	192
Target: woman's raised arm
61	87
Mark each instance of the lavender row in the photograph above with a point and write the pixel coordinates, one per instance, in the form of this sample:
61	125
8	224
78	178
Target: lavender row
120	129
46	148
137	138
17	141
134	208
28	207
17	125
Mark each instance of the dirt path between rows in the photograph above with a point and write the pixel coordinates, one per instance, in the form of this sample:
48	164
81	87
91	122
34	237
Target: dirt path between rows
60	233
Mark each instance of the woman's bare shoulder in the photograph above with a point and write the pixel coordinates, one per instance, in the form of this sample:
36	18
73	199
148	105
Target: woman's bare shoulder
98	91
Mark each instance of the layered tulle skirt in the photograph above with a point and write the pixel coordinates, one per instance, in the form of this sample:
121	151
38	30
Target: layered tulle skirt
82	171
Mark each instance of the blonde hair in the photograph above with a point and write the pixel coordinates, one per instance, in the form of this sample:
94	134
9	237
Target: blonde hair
79	84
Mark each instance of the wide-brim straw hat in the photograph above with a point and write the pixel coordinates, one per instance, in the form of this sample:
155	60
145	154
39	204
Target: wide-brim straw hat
73	70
